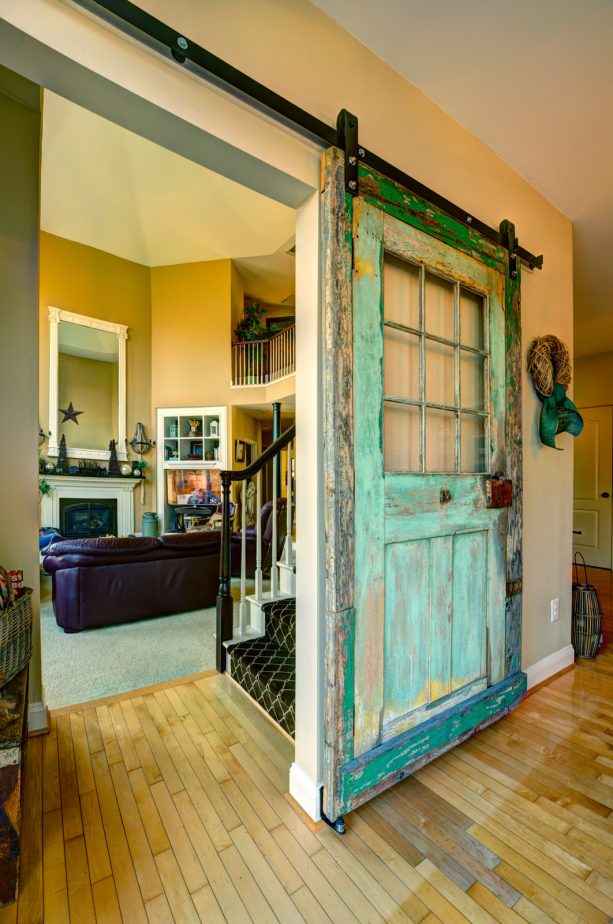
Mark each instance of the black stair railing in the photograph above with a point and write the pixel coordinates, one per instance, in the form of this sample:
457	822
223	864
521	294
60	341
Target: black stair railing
225	602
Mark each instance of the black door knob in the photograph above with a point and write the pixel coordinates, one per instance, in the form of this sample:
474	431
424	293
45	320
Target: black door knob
605	494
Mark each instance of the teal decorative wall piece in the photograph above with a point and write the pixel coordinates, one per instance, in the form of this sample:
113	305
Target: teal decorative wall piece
550	368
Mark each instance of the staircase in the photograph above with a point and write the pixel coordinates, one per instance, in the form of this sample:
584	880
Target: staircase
256	637
266	667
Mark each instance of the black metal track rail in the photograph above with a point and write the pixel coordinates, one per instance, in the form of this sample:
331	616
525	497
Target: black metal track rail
164	38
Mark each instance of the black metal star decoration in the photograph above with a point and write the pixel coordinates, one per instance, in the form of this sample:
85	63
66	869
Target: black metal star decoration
70	414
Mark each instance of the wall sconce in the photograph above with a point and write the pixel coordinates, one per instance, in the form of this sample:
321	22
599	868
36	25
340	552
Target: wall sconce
139	442
42	436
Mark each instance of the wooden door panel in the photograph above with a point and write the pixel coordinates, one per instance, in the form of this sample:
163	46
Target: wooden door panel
408	629
470	608
425	649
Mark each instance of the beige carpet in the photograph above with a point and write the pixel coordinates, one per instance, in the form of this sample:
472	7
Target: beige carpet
113	659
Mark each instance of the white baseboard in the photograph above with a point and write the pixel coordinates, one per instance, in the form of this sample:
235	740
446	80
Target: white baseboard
550	665
306	793
37	717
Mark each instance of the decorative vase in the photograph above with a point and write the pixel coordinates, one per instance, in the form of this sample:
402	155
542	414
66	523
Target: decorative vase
150	524
125	469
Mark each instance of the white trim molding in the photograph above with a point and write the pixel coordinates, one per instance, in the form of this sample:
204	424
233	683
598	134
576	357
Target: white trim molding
37	717
121	332
550	665
306	793
119	489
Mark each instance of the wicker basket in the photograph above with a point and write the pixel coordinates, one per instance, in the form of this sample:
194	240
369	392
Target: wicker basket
15	633
587	616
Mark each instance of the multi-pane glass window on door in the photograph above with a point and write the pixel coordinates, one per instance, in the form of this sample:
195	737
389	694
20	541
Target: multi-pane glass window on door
435	372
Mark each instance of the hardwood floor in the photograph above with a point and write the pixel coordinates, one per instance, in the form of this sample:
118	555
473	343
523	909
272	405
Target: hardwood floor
169	806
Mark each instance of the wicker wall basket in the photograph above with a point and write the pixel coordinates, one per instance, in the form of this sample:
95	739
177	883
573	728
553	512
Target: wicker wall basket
15	633
587	616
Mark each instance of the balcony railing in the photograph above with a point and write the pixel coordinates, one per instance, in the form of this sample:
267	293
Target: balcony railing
258	362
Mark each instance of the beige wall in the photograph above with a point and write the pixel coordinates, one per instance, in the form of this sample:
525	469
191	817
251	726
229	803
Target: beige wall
100	285
19	217
593	380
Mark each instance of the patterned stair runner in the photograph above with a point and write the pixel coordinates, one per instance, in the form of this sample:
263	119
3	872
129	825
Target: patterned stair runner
266	667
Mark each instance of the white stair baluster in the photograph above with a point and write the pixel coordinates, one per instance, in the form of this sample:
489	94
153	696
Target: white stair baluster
258	539
243	603
288	509
274	571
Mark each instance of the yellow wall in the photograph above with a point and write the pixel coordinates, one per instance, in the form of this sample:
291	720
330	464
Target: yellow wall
100	285
92	387
593	380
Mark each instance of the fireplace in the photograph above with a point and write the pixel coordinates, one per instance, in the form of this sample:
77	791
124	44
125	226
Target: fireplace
85	518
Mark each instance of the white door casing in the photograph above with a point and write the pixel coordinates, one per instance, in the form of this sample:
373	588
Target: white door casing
593	487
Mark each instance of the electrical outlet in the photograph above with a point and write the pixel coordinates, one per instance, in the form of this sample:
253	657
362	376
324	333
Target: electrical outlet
554	614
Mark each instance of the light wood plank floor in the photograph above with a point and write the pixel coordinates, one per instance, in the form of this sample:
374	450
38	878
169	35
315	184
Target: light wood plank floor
169	806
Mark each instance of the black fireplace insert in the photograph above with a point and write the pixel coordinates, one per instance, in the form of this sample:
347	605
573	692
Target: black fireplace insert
81	518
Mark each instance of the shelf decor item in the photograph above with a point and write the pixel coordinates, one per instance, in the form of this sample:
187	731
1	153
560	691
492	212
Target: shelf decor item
214	428
587	615
194	426
550	368
15	630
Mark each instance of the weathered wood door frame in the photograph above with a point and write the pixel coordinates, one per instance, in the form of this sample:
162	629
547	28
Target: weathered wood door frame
348	782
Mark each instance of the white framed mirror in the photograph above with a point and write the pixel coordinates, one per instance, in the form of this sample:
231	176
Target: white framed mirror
87	385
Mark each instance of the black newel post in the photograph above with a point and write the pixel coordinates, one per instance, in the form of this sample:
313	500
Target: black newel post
225	604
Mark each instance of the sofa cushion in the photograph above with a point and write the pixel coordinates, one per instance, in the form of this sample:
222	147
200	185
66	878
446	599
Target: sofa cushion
126	545
203	539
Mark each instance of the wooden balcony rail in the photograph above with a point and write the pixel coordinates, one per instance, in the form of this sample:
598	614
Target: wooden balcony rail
258	362
225	602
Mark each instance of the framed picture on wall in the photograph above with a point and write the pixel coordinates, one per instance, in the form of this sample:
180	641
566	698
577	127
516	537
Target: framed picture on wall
239	451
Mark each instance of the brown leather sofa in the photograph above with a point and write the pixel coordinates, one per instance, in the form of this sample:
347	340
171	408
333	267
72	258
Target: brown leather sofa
100	582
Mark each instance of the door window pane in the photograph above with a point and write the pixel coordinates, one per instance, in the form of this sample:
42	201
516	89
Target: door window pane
472	367
401	437
440	307
401	291
473	443
400	363
440	440
472	328
440	374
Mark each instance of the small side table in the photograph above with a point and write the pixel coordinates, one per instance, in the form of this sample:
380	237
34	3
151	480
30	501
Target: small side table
13	737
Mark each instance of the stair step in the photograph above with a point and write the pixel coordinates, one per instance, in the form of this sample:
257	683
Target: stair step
280	623
268	674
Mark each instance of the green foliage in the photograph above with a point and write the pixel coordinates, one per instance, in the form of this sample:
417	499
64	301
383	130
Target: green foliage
141	465
44	487
250	327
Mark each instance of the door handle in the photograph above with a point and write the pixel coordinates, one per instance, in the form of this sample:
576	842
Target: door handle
605	494
577	532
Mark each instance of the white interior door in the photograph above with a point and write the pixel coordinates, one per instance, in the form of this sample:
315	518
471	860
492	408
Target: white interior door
593	487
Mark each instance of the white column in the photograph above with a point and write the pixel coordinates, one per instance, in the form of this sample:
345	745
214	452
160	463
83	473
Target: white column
306	772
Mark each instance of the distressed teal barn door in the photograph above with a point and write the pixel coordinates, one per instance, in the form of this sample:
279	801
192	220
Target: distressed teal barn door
422	419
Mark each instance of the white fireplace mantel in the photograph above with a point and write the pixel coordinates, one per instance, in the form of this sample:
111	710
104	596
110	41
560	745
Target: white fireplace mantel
119	489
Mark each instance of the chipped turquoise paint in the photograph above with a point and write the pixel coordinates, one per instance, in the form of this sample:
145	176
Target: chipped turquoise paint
397	201
393	759
368	464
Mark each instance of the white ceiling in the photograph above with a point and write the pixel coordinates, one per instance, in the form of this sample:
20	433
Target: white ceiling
111	189
534	80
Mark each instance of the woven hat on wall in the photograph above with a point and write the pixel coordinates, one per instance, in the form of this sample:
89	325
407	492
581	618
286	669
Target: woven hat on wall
551	371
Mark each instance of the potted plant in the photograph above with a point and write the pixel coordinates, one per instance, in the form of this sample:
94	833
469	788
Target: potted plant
250	328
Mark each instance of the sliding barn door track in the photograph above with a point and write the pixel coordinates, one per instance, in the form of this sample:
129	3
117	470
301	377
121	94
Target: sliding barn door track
166	40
